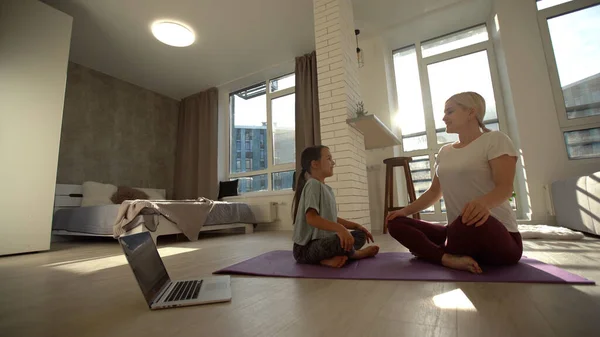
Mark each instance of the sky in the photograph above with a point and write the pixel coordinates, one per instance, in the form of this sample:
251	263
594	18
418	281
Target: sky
576	43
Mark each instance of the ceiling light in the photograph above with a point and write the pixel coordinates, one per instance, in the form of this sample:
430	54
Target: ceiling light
172	33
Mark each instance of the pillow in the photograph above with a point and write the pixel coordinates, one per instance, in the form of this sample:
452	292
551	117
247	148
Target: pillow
228	189
96	194
127	193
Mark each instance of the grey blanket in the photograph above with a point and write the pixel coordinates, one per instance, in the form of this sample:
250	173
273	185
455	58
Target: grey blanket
188	215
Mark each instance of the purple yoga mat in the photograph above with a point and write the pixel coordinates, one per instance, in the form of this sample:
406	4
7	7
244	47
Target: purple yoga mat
400	266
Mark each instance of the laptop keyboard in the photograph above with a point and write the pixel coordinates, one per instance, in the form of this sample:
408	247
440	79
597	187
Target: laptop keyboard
185	290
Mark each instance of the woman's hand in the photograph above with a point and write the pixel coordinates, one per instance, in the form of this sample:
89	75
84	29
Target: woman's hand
367	233
475	213
395	214
346	239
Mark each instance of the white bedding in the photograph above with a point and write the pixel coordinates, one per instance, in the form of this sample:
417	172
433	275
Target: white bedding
548	232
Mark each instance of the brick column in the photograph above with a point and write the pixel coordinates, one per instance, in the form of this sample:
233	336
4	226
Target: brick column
339	92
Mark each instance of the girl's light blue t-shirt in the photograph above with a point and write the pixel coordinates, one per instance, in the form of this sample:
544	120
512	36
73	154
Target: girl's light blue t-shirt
319	197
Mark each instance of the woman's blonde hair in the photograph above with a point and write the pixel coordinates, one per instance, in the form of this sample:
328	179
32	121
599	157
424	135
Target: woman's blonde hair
472	100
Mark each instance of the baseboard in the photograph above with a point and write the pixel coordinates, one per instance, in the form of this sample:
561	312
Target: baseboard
275	226
58	238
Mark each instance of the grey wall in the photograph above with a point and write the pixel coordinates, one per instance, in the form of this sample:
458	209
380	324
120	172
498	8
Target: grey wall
116	132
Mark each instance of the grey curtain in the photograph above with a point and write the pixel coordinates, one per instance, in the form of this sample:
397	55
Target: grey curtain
308	123
196	152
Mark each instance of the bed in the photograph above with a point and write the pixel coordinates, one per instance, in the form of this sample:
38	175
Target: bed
78	216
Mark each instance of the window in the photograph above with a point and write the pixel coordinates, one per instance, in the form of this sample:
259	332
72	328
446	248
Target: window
470	72
427	74
420	169
410	100
283	180
572	47
583	144
283	82
263	121
262	138
543	4
252	183
454	41
284	133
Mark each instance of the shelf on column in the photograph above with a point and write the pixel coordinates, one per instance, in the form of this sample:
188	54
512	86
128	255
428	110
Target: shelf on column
377	134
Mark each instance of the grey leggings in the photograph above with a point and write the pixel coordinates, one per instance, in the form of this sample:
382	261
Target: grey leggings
318	250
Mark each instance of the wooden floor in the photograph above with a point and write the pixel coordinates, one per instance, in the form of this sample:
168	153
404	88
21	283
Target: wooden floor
87	289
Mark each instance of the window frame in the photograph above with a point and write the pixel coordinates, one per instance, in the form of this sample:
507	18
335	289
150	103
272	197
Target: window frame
432	145
271	168
565	124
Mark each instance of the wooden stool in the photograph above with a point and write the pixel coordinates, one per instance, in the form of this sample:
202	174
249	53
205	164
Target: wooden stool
388	200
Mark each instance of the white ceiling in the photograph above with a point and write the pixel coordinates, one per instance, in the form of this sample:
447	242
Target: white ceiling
233	37
407	21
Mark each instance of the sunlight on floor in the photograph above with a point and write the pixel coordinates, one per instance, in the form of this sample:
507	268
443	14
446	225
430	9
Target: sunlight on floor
455	299
88	266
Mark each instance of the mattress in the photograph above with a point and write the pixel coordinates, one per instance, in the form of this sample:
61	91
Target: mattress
99	220
224	213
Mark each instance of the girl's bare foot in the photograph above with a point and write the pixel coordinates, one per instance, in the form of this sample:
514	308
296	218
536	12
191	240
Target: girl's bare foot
365	252
461	263
335	262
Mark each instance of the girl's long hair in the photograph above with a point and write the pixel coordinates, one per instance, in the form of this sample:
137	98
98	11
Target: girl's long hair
308	156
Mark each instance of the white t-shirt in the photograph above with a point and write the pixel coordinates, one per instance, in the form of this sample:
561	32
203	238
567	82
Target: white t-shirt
465	174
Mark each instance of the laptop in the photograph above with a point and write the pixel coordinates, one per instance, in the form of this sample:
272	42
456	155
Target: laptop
159	290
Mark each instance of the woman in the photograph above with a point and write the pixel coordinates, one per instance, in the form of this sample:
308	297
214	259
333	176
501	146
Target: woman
475	177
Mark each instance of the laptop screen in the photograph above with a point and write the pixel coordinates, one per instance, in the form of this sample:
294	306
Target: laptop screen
145	262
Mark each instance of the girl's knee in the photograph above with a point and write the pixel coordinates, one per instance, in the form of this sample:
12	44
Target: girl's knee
359	234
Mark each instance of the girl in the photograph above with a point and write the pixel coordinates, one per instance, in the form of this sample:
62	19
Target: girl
475	177
320	237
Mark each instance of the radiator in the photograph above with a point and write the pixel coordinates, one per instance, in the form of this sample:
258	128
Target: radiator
265	212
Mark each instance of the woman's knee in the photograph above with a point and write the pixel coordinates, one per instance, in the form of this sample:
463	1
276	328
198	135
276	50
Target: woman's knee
514	256
514	259
503	260
490	221
396	223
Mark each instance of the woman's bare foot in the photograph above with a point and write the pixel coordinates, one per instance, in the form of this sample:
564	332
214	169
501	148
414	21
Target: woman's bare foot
335	262
461	263
365	252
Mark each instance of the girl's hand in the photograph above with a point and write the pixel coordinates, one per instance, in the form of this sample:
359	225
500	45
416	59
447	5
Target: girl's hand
395	214
475	213
346	239
366	231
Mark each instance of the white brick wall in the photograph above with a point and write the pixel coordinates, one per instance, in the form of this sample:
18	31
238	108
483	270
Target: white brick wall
339	92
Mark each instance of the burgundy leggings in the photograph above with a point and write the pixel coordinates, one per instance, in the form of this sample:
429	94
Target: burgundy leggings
488	244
